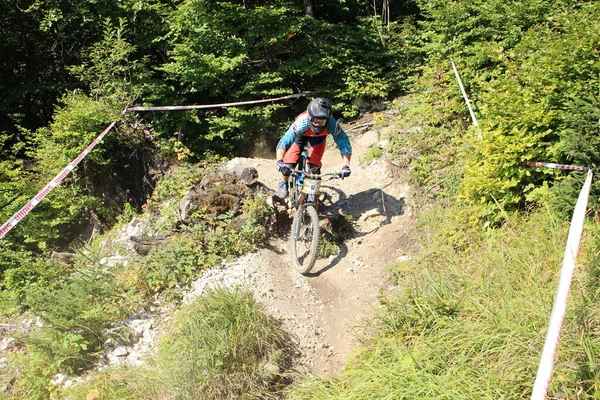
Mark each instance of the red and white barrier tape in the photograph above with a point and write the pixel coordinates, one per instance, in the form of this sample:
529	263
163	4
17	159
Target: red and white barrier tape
544	373
19	215
555	166
195	107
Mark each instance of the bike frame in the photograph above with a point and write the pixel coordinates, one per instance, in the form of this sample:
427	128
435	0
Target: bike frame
304	187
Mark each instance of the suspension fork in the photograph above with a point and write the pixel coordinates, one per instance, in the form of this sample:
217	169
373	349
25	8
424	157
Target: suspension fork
300	212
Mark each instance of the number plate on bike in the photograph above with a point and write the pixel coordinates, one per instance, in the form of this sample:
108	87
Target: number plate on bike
310	186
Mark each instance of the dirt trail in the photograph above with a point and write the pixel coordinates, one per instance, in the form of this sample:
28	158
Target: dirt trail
324	310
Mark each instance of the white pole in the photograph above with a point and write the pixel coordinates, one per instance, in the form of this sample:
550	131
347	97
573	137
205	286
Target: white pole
462	89
542	380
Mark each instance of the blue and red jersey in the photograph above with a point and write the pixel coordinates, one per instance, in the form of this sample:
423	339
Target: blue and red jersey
300	136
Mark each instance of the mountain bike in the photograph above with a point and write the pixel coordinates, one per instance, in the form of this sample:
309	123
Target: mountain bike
304	191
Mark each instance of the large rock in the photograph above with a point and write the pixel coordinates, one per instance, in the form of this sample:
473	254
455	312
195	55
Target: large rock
218	194
143	244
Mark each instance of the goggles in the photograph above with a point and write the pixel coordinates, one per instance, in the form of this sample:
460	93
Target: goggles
320	122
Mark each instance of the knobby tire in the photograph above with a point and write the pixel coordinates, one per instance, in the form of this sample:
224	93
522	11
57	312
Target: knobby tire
304	239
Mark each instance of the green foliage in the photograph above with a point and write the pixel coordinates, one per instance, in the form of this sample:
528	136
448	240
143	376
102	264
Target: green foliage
15	189
257	211
121	383
178	181
219	51
223	346
235	236
33	66
480	294
109	71
527	67
374	153
170	266
530	73
163	206
23	272
224	51
78	121
579	142
75	310
433	153
330	242
229	242
480	32
75	316
34	376
77	304
365	83
327	247
43	38
200	245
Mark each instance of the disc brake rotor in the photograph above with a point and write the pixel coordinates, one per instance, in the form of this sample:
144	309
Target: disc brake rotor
306	235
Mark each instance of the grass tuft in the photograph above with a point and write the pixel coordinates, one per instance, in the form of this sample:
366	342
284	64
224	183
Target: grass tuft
224	346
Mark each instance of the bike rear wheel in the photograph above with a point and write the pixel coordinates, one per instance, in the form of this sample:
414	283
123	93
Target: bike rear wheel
304	239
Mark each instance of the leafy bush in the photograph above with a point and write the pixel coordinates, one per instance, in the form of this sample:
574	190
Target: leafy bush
198	247
235	236
533	96
327	247
76	311
170	266
235	52
163	206
75	316
22	272
109	70
27	377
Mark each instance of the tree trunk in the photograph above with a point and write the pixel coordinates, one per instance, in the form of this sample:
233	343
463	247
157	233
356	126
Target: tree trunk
385	13
308	8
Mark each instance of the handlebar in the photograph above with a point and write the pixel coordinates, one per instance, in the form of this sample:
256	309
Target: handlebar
332	175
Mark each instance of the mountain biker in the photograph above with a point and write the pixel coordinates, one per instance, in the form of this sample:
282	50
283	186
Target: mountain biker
309	132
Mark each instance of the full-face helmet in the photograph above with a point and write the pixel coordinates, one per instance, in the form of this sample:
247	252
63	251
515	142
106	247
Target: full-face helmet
319	112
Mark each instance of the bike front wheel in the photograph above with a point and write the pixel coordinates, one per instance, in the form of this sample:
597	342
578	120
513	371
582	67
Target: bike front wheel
304	239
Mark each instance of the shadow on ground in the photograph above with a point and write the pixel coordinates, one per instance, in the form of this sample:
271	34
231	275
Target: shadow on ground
366	208
362	206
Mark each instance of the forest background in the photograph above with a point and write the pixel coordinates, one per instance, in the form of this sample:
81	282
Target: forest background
532	72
